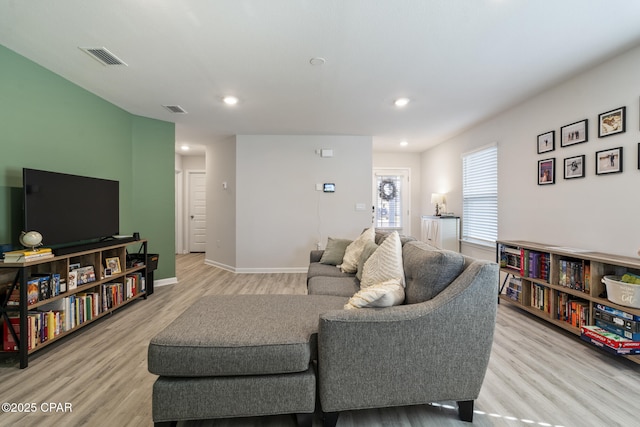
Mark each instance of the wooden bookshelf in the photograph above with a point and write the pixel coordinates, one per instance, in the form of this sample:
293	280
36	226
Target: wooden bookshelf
72	308
560	285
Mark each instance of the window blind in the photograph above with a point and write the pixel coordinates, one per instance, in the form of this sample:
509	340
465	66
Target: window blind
480	196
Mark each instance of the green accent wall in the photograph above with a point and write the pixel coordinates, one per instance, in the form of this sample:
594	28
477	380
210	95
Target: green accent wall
49	123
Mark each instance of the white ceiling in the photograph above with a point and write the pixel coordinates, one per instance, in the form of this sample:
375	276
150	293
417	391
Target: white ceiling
459	61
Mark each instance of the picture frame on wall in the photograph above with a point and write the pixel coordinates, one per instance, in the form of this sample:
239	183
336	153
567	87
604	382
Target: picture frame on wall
574	167
609	161
612	122
547	142
574	133
547	171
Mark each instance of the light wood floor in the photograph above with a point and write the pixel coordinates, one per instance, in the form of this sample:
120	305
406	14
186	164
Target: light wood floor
538	375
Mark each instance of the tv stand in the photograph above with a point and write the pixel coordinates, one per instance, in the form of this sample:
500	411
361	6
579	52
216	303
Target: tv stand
66	293
65	250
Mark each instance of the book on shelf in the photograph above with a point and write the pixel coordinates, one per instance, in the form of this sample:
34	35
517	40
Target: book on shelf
28	255
8	342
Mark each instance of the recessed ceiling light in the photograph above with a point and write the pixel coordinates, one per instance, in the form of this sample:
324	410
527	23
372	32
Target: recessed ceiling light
184	148
401	102
317	61
404	143
230	100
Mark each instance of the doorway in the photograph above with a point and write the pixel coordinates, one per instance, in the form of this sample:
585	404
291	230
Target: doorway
391	195
197	211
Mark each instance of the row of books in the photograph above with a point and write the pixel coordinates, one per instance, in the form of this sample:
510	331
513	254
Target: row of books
574	275
27	255
541	298
528	263
573	311
64	314
40	286
514	289
53	319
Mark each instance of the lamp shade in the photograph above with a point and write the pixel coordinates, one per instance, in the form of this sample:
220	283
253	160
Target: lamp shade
437	198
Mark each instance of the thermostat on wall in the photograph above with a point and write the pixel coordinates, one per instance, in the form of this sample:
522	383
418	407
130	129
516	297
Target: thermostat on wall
329	187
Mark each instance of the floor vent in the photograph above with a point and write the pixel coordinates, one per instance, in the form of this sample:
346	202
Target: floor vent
175	109
102	55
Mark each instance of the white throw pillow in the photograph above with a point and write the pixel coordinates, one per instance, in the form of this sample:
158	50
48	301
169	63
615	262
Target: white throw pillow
385	263
385	294
354	250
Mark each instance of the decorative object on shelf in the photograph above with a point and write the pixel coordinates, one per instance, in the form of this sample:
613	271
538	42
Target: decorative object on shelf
609	161
30	239
387	189
438	200
612	122
547	171
575	133
113	264
574	167
547	142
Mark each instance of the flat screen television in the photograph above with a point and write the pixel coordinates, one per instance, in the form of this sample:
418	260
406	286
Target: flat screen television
68	209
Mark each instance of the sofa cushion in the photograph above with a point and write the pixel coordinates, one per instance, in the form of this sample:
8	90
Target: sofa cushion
317	269
384	294
428	271
354	250
383	234
338	286
334	252
385	263
224	335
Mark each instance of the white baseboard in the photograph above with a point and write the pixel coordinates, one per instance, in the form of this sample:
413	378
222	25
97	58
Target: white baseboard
255	270
165	282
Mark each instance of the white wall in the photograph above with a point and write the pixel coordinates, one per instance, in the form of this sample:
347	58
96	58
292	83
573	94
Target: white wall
221	203
411	161
280	215
598	212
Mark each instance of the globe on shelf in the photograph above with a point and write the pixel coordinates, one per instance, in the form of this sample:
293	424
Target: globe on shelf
31	239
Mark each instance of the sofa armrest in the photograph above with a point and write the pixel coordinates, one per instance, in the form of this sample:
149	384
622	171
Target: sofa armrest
316	255
412	354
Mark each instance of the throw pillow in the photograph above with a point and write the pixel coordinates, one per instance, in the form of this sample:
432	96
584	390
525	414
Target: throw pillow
385	263
334	252
367	251
354	250
384	294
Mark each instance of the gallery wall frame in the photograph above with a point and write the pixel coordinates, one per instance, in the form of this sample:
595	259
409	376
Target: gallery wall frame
574	167
574	133
546	142
609	161
547	171
612	122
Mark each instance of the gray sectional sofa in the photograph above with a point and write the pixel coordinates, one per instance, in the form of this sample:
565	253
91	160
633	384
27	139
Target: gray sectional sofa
280	353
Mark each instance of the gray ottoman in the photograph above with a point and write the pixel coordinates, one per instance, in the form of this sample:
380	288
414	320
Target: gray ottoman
239	356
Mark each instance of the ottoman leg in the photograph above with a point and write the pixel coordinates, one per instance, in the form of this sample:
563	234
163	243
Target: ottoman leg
304	420
330	419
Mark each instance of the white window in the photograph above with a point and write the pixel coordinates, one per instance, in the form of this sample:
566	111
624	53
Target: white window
480	196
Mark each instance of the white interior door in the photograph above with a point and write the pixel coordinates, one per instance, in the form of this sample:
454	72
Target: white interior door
391	188
197	212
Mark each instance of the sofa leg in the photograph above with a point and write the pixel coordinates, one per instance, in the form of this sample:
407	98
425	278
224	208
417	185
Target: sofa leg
304	420
465	410
330	419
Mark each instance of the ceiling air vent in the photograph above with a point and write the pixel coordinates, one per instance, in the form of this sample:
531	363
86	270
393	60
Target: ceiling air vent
175	109
103	55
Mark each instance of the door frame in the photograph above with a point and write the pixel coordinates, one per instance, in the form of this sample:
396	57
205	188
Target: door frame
406	193
187	204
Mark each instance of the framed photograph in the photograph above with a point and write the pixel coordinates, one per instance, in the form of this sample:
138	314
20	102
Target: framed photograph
547	171
546	142
113	264
612	122
107	272
574	167
609	161
575	133
74	266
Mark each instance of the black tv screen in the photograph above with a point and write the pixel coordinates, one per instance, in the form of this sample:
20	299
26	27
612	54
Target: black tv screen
67	208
